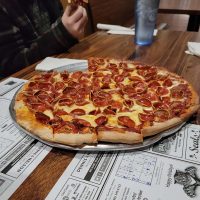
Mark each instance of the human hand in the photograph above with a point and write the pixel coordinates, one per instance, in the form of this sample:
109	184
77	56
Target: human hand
75	20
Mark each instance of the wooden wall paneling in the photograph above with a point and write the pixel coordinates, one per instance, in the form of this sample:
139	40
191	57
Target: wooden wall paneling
111	11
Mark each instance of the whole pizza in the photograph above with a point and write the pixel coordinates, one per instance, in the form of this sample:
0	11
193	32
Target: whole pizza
113	101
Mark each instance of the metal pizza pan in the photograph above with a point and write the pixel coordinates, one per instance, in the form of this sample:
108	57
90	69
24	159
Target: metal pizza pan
101	146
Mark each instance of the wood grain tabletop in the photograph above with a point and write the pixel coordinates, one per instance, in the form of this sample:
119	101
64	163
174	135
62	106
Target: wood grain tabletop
167	50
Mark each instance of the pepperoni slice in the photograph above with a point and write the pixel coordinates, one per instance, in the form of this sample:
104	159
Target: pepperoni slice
65	102
99	61
103	94
59	85
147	71
143	67
84	82
101	120
105	86
47	75
118	78
144	102
135	78
83	91
129	103
78	111
135	96
41	117
151	74
154	84
31	99
165	100
161	115
40	107
45	86
60	112
162	91
146	117
112	66
92	67
160	105
95	112
81	123
66	127
136	83
125	73
107	78
100	102
96	85
128	90
56	122
81	102
45	98
64	75
126	121
150	96
116	104
167	83
33	85
69	91
98	74
140	88
123	65
178	91
177	107
109	111
76	75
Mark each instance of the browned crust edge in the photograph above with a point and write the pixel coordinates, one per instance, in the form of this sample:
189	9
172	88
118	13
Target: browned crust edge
116	137
27	120
159	127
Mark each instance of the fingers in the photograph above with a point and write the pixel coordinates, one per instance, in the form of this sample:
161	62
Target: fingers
75	20
80	24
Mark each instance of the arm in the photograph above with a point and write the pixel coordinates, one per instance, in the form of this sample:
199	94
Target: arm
15	53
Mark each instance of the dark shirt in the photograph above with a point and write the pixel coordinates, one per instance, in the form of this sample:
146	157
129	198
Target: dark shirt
29	31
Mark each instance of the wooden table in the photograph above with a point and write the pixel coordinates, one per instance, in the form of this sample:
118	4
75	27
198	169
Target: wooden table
167	50
190	7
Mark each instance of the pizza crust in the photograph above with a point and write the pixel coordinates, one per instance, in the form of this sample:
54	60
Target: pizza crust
117	137
75	139
162	126
158	127
27	120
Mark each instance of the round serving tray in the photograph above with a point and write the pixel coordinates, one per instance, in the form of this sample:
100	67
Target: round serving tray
101	146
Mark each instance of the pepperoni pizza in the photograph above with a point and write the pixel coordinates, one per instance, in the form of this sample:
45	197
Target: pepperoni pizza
113	101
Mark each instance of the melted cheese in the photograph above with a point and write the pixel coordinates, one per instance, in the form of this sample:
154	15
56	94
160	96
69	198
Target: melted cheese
113	120
57	78
88	107
140	108
49	113
66	117
117	97
89	118
134	73
126	81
